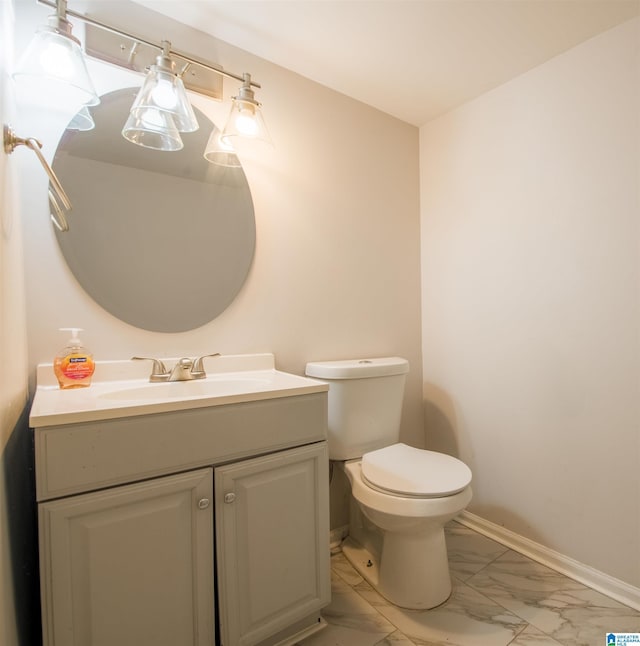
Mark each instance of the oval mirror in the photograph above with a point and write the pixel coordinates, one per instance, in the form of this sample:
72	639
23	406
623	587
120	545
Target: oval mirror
161	240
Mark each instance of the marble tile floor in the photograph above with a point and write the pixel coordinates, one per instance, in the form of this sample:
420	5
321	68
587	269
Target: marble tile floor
500	598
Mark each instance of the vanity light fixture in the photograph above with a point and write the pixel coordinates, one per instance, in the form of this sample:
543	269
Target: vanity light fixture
163	92
219	151
152	128
54	60
82	120
245	119
161	107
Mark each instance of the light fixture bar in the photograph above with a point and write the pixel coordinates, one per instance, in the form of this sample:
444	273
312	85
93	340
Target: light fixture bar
119	50
116	30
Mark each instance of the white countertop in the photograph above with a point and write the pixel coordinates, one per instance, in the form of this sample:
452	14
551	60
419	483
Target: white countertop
122	389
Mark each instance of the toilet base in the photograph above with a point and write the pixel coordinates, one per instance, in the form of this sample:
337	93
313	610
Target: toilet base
426	584
403	540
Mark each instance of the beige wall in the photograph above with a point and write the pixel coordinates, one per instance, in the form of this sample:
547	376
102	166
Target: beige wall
13	349
531	285
337	266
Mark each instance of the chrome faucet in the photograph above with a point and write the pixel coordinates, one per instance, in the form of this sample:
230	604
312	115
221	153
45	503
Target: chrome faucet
182	370
186	369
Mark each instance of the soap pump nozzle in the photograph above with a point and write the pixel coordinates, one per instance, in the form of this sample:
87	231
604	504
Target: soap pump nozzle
75	339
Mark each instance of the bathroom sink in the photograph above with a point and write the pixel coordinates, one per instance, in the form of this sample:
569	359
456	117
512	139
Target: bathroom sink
122	389
216	386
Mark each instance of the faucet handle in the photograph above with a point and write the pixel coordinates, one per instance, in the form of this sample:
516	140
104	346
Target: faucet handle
158	372
197	370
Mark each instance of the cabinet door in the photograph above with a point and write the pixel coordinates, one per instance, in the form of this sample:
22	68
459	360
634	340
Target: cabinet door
130	566
272	538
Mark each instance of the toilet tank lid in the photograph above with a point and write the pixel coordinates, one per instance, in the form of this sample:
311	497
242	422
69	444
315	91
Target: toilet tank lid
358	368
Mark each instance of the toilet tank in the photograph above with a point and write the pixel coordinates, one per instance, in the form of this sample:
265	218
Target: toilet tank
365	403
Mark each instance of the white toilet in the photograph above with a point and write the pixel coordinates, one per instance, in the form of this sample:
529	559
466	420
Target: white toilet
403	495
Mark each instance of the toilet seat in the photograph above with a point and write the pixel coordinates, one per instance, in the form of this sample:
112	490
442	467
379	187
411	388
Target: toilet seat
406	471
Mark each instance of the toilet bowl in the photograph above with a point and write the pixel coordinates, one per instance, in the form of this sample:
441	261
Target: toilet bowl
401	496
396	538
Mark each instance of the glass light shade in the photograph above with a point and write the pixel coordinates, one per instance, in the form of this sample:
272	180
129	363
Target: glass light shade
246	121
82	121
219	151
164	91
54	66
152	129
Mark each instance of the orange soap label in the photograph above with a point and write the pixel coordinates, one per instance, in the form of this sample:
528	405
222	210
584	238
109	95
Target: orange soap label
77	366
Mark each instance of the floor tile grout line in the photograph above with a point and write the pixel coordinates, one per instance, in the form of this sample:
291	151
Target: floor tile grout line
473	533
395	631
493	560
459	581
464	583
513	612
497	603
482	594
516	637
556	573
526	626
395	628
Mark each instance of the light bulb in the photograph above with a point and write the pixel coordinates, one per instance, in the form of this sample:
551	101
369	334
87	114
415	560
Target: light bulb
56	60
164	95
225	145
152	118
246	123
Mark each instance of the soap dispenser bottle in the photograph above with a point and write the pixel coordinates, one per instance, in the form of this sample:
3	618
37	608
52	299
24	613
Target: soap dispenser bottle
73	365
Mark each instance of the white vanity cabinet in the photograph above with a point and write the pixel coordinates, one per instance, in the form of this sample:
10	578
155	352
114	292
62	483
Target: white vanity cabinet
130	565
136	513
271	533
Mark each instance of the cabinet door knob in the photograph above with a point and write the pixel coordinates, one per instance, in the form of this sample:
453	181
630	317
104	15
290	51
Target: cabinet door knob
229	497
203	503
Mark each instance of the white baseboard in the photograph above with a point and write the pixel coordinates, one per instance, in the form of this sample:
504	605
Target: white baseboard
623	592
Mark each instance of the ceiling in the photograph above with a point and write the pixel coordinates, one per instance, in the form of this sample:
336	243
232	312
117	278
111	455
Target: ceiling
413	59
